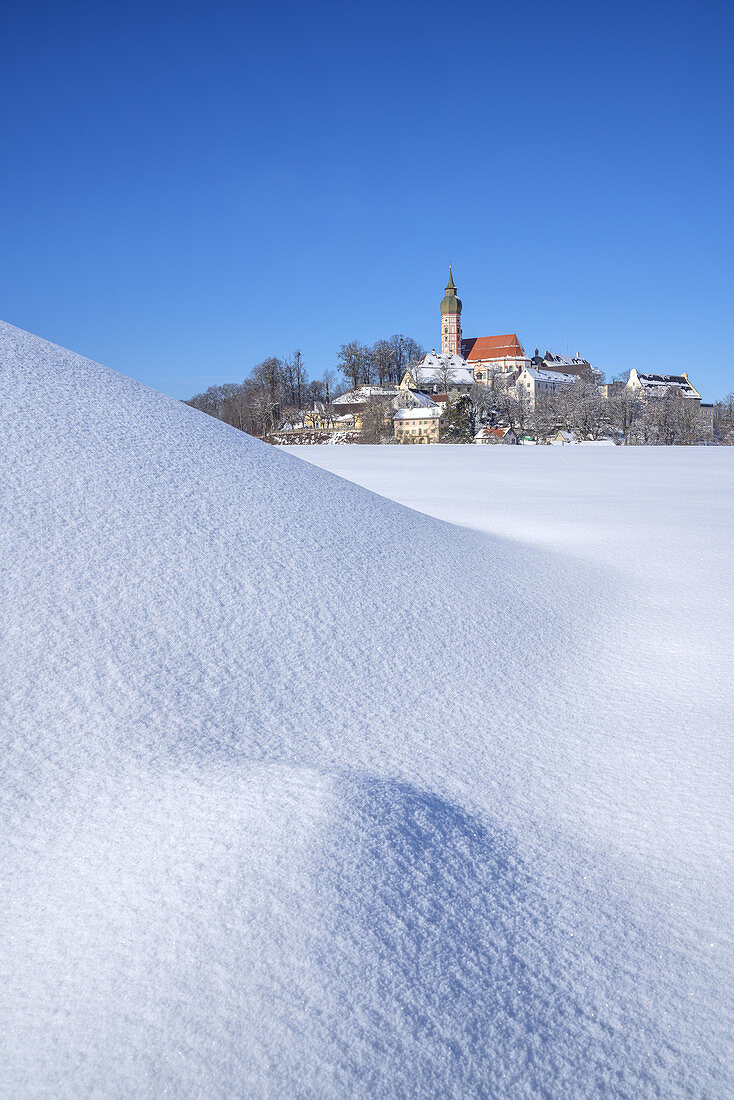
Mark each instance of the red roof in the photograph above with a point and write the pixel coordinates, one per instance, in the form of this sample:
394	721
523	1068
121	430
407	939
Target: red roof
492	347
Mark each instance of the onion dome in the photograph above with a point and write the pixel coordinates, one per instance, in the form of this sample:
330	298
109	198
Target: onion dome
450	303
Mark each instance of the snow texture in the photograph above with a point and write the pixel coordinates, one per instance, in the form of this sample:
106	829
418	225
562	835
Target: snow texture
275	821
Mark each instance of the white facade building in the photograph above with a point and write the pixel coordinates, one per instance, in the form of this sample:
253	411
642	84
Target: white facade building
532	382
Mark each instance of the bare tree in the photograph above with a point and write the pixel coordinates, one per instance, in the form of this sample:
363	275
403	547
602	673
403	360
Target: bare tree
413	352
265	410
398	357
404	353
328	380
376	418
588	414
667	421
547	415
381	353
352	362
626	409
516	409
294	379
724	420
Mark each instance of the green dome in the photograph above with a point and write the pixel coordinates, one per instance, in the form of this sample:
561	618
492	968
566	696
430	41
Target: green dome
450	303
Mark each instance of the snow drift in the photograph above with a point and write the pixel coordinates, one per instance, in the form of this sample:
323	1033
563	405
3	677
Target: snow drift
309	794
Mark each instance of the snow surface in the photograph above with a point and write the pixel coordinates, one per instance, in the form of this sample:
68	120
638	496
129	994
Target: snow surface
275	824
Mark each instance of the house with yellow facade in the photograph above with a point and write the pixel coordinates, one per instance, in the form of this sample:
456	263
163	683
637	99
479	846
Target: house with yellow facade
417	425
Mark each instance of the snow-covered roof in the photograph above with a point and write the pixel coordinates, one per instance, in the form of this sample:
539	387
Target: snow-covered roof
660	382
555	377
551	358
418	414
432	369
567	364
491	433
415	397
364	393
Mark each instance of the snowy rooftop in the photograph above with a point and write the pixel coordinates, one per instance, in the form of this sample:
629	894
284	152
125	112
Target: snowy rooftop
415	397
432	369
491	433
668	382
555	377
571	364
419	413
364	393
551	357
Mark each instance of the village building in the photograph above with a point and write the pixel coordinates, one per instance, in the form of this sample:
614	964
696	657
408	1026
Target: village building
412	399
319	417
347	412
706	413
654	386
566	364
417	425
488	355
445	373
533	383
495	435
326	418
659	385
616	388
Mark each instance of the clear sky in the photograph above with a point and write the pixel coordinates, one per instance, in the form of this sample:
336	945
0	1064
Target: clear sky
187	189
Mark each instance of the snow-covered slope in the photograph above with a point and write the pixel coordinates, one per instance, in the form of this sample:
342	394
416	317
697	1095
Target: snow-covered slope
309	794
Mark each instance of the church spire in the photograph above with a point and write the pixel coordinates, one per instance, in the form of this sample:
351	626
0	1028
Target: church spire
451	319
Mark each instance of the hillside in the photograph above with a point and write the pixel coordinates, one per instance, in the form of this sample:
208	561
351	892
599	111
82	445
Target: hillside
308	793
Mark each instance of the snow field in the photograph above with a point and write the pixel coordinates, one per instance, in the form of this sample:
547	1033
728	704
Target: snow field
307	793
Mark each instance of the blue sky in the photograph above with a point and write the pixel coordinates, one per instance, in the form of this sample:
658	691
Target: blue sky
187	189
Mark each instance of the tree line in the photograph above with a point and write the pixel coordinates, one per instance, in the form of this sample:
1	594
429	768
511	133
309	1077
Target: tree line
277	391
383	363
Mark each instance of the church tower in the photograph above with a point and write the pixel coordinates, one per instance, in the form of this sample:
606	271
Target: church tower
451	320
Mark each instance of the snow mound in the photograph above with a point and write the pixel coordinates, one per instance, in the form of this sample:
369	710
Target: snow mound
301	789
